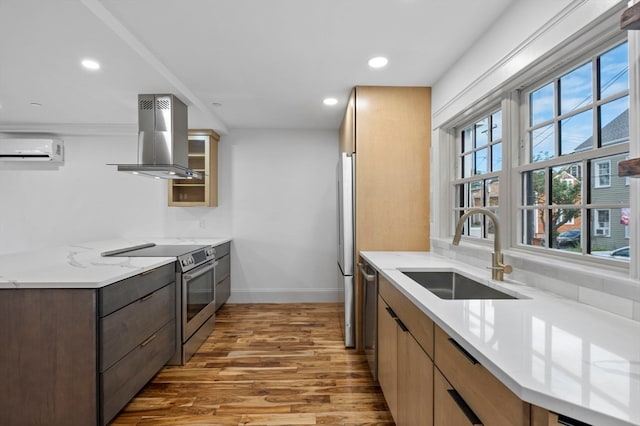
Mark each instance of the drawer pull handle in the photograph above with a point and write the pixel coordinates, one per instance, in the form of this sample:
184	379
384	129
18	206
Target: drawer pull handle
146	342
463	351
390	311
568	421
147	297
468	412
401	325
150	271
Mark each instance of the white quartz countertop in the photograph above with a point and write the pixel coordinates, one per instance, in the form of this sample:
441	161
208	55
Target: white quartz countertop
82	266
553	352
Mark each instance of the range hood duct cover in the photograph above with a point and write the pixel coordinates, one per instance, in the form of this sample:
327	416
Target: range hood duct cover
163	150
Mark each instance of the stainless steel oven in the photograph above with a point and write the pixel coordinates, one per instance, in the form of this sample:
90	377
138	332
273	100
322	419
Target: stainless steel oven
198	297
195	292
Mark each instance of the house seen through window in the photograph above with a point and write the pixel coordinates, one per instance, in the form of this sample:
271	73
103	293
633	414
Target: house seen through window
575	130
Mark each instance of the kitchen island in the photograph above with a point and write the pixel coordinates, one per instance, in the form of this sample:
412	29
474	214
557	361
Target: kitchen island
550	352
82	333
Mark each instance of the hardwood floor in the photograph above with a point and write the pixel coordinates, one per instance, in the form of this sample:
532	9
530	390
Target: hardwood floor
265	364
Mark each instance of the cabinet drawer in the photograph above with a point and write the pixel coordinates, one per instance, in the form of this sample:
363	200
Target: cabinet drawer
223	291
449	408
388	357
223	268
222	250
120	383
418	323
117	295
126	328
493	402
542	417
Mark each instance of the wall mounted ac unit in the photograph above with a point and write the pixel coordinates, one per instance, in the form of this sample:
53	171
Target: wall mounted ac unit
32	149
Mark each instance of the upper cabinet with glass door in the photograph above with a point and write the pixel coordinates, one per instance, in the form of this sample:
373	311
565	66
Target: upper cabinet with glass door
203	158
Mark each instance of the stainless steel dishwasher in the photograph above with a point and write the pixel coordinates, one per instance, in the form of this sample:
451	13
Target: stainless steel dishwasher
370	318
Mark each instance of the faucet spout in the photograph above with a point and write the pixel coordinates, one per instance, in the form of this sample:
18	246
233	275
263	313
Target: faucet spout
498	268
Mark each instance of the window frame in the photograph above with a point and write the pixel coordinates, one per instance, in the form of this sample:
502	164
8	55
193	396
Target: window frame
598	153
514	152
598	176
596	223
462	184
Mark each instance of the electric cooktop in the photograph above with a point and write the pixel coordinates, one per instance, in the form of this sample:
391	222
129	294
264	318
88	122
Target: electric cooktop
152	250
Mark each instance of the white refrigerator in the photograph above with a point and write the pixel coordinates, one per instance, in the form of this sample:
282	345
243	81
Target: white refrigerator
346	255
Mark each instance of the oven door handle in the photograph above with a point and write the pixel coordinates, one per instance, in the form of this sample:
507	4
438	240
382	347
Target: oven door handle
201	271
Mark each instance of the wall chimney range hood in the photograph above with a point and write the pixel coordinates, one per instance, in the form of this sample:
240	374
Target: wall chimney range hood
162	139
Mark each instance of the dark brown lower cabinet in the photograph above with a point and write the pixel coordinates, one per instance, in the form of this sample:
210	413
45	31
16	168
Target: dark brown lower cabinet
76	356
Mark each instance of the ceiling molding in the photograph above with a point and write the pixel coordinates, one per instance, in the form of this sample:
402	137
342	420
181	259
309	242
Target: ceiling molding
98	9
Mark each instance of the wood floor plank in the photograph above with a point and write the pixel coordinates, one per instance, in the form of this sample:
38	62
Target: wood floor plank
265	364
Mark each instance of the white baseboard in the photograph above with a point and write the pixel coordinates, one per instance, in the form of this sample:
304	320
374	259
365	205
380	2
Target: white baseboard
286	296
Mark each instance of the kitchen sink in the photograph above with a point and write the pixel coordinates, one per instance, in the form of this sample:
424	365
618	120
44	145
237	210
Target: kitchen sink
453	286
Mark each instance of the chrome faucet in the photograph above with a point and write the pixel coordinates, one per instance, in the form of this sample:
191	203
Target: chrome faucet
498	269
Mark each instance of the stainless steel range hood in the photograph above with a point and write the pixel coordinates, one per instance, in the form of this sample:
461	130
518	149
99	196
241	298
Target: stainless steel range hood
162	139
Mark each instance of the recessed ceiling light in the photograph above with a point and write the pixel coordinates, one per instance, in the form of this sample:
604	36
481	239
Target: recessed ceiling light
330	101
90	64
378	62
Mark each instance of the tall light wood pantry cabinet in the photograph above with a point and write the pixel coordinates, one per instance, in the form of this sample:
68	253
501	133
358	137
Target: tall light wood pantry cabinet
388	129
203	158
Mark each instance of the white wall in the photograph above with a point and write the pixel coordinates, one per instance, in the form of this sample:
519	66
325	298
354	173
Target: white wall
283	200
276	200
81	200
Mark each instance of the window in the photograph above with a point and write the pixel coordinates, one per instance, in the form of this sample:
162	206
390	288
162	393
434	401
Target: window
602	223
576	127
603	174
573	129
479	166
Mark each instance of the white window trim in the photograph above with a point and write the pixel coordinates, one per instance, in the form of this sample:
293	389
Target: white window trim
597	175
500	84
596	223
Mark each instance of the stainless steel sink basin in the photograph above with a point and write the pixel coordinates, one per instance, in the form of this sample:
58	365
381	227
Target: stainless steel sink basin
453	286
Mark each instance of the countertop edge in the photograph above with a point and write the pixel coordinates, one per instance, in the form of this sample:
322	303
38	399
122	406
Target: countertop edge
82	266
525	393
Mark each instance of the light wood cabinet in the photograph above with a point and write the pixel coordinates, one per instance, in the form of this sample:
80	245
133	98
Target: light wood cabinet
203	158
487	397
450	408
418	322
415	383
388	357
428	378
542	417
405	370
388	129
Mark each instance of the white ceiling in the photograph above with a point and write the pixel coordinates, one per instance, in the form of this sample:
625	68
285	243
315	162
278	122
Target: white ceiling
269	63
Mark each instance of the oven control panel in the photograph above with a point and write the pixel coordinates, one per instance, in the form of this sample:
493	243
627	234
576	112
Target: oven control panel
196	258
